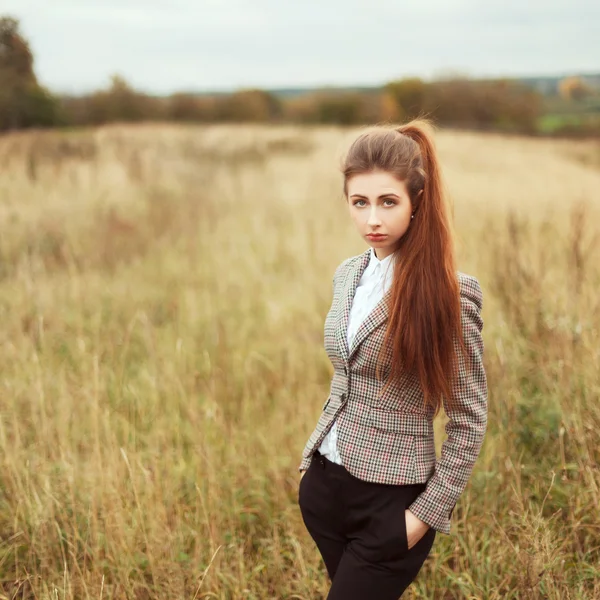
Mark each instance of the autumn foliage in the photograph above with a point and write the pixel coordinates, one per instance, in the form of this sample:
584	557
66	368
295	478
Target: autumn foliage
499	105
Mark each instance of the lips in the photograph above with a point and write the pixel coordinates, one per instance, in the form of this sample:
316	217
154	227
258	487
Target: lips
376	236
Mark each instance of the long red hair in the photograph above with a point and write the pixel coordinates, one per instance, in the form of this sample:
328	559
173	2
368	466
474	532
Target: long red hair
424	323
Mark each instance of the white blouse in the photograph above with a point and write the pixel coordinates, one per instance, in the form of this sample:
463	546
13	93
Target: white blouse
373	284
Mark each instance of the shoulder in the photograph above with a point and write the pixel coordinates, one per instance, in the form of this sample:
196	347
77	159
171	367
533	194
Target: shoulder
346	265
470	289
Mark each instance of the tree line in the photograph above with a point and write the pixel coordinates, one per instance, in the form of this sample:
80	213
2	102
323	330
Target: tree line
500	105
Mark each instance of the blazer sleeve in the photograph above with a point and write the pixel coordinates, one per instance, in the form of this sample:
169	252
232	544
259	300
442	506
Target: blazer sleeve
467	420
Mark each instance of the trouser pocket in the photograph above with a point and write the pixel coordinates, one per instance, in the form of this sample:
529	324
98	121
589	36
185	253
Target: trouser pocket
376	518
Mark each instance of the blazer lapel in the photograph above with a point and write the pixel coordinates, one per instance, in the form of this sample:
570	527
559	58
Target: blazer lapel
373	319
377	316
346	296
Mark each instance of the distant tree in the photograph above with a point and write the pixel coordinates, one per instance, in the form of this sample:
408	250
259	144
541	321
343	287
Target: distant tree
389	109
495	104
118	102
16	73
412	96
16	59
189	107
23	102
124	103
300	109
341	109
249	105
574	88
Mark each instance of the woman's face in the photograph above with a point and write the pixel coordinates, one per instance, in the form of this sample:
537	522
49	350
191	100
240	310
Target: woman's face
379	204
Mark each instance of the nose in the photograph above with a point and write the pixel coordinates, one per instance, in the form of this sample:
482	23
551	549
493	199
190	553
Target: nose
373	219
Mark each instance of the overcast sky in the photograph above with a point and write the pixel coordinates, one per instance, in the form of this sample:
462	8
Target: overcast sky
163	46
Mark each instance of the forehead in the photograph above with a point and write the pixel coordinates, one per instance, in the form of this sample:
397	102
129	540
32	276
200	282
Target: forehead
375	183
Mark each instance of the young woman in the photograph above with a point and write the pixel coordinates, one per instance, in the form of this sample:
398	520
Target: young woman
404	338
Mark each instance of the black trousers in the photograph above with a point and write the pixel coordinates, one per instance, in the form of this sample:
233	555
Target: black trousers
359	528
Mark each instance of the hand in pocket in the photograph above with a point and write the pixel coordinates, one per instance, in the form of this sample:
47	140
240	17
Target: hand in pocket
415	528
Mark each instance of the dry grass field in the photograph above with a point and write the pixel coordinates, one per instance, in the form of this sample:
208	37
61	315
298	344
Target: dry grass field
162	297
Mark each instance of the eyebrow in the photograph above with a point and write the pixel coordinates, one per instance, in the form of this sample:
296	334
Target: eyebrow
379	197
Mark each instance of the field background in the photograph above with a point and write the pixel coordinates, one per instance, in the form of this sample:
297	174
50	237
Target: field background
162	297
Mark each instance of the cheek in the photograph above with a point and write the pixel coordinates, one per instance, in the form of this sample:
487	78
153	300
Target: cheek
401	221
358	216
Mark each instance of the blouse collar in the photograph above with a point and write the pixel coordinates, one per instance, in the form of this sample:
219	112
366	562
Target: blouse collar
374	262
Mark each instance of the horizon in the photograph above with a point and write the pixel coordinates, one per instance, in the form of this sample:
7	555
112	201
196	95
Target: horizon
349	86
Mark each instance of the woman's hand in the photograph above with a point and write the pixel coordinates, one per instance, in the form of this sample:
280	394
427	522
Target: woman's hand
415	528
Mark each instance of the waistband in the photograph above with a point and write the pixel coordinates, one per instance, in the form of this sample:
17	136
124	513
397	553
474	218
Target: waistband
322	462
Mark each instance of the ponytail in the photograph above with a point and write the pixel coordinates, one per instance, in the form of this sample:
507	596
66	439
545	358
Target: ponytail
420	131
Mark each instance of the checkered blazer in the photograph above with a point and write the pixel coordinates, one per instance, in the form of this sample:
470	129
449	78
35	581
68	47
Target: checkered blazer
390	438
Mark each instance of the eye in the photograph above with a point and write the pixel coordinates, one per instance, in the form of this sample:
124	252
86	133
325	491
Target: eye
393	202
357	201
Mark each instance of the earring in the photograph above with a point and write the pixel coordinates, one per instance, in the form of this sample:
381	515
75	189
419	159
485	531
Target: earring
412	216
